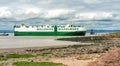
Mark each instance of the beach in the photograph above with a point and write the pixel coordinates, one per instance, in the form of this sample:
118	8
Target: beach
18	44
31	41
78	50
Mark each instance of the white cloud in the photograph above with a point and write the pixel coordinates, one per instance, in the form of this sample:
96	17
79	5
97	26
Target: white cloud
34	10
5	12
94	15
92	1
57	13
20	13
31	12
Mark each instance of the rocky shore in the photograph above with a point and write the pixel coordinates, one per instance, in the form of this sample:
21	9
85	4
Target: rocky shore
90	45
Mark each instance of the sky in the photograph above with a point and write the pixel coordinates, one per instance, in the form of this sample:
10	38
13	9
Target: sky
93	14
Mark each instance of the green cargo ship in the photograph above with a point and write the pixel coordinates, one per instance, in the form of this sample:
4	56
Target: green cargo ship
49	30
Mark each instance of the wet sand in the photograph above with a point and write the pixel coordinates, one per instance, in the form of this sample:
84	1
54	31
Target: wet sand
31	41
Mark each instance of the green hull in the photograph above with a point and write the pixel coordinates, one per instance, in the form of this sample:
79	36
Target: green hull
80	33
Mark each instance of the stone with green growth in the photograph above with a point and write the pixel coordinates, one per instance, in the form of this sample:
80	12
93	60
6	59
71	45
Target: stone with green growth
19	55
2	57
46	53
23	63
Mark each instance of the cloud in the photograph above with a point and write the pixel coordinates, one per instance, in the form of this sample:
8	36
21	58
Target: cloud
99	1
57	13
20	13
5	12
92	1
52	8
95	16
60	12
32	12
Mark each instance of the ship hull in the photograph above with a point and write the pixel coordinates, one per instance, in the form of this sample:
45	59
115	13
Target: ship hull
77	33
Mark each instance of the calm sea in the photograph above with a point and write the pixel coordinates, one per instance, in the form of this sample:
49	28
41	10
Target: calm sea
88	31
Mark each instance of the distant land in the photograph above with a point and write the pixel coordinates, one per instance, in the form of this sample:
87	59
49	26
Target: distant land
103	31
88	31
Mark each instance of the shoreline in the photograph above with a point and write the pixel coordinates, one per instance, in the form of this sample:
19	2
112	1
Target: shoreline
35	41
86	49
